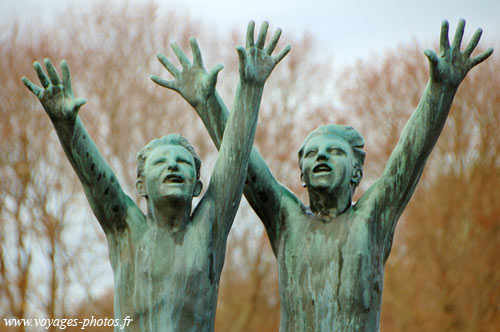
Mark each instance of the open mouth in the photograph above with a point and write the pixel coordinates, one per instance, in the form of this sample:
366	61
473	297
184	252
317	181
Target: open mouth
173	178
322	168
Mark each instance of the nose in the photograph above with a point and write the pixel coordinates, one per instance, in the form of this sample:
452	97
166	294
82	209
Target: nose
322	155
172	165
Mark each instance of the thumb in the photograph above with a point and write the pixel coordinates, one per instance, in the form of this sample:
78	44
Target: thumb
433	62
242	55
432	56
212	76
79	102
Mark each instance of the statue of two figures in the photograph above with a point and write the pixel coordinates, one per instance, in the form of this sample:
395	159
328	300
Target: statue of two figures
331	254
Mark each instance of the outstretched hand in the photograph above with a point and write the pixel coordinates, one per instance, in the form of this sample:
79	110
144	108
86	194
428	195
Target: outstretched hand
56	96
451	66
192	82
256	62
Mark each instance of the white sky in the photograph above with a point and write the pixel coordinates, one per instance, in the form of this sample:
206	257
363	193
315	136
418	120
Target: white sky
351	29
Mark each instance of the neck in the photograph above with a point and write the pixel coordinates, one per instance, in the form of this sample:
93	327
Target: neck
329	203
172	214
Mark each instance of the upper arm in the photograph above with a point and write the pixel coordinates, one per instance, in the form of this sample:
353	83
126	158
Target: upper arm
106	197
225	188
262	190
388	196
267	196
230	170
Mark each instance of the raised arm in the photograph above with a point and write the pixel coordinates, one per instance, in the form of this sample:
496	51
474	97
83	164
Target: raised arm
105	195
390	194
197	87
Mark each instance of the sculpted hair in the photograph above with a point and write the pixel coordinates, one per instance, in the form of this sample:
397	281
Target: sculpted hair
347	133
172	139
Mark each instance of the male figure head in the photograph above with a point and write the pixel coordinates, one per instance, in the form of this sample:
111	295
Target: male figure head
331	162
168	170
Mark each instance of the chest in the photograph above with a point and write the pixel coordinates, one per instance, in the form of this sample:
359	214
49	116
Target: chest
327	269
160	257
316	239
318	253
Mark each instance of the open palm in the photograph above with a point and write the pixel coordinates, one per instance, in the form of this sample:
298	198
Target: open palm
192	81
56	96
451	66
256	62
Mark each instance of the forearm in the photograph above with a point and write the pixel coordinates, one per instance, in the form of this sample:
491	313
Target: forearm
101	187
214	115
424	127
239	133
230	170
432	112
394	189
405	166
388	197
255	65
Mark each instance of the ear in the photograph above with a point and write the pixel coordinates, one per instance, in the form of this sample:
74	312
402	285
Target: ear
357	174
141	188
302	180
197	188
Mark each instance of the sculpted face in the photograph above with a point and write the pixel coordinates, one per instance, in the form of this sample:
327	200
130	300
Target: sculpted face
170	173
327	163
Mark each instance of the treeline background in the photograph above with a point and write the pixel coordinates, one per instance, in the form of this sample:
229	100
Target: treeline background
444	270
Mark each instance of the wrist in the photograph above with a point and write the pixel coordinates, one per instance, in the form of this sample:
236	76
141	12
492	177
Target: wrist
252	84
251	89
60	120
442	86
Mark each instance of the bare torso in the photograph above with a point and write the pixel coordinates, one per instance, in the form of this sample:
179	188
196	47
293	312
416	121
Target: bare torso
330	271
166	281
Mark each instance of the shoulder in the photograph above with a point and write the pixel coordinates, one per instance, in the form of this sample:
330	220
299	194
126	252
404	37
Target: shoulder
291	209
126	216
370	201
289	201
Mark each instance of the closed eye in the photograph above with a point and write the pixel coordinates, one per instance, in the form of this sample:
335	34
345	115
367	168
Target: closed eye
311	153
336	151
183	161
159	161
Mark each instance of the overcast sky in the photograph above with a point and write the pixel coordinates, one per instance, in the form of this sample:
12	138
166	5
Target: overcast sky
353	28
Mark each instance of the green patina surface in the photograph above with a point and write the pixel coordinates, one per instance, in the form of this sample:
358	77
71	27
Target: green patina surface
166	263
331	254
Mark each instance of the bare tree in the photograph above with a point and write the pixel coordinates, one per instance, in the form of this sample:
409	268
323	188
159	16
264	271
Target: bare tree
444	268
46	226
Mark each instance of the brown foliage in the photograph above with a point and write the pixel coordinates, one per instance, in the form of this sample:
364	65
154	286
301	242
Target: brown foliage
443	273
53	255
